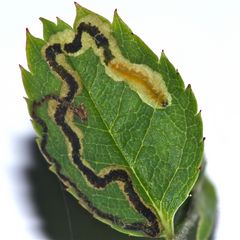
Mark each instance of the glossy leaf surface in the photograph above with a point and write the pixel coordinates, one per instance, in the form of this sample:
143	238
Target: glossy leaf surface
115	123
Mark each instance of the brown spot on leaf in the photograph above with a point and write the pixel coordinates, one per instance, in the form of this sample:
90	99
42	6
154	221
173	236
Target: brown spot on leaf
81	112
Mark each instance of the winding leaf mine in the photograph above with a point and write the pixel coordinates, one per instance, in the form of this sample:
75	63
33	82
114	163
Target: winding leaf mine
114	122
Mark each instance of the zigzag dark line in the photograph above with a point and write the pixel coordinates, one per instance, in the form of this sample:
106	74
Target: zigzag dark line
43	146
113	175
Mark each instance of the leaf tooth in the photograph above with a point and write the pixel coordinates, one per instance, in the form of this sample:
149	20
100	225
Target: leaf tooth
29	105
46	21
27	79
115	15
61	24
26	75
124	34
189	87
117	20
22	69
162	56
174	78
200	167
192	102
199	114
199	123
38	128
76	4
52	168
82	12
28	33
48	28
26	99
33	50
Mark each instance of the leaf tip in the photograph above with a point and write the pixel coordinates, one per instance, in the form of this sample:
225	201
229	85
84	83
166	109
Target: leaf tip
177	72
59	20
162	55
81	12
116	16
27	31
52	168
28	34
199	113
20	66
23	70
46	22
116	12
189	87
76	4
26	99
79	7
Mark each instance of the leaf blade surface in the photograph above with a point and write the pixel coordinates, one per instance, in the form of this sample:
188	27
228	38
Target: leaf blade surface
158	149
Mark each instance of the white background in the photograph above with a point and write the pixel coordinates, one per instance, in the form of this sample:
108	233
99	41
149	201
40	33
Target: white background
202	40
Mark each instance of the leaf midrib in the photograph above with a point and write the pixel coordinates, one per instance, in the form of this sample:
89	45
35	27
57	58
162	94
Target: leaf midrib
118	147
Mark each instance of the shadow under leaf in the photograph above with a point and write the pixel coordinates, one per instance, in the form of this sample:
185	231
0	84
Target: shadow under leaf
61	215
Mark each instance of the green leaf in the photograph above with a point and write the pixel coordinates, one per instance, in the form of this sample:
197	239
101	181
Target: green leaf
50	28
200	219
116	125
